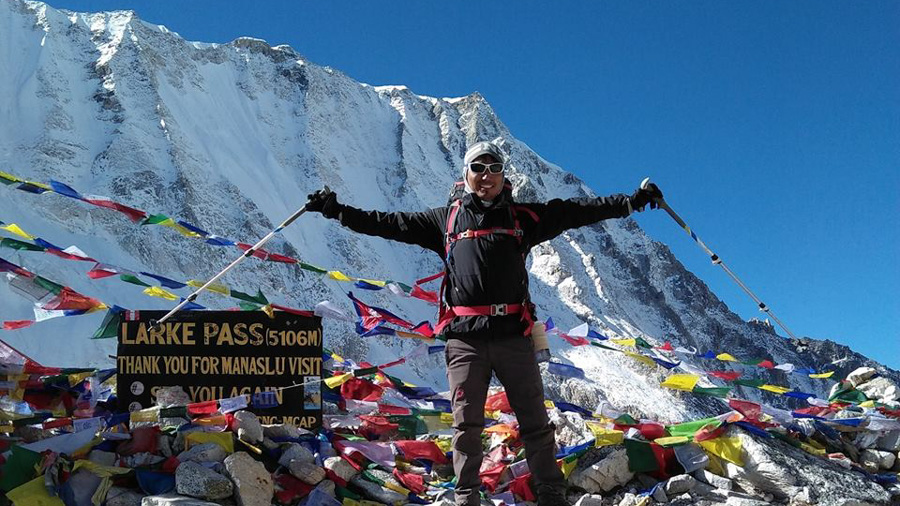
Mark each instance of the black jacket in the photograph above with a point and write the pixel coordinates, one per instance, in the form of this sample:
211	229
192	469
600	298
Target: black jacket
490	269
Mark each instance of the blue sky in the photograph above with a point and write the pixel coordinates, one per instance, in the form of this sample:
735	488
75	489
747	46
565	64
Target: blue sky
773	127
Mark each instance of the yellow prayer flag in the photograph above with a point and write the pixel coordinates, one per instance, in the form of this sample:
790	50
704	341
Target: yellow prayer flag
9	177
643	501
155	291
775	388
215	287
640	358
604	436
625	342
178	228
549	404
822	375
337	276
685	382
725	357
336	381
493	415
223	439
15	229
33	493
671	441
808	448
7	429
349	502
18	395
568	467
396	488
373	282
447	418
867	404
76	379
728	448
145	415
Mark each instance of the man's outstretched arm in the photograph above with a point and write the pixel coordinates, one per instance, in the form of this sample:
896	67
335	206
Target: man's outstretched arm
557	216
422	229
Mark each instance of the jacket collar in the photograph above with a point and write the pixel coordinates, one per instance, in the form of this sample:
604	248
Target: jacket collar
502	201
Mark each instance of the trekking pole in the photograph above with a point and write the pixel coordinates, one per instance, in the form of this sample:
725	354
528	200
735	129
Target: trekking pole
192	297
716	260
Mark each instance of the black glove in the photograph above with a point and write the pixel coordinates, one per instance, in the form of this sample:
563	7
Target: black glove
643	196
325	202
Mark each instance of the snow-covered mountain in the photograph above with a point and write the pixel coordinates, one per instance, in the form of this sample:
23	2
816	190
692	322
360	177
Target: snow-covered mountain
232	137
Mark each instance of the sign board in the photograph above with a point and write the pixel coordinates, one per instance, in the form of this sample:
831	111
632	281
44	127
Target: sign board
216	355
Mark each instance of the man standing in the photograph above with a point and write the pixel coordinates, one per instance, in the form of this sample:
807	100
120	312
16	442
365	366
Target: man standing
486	315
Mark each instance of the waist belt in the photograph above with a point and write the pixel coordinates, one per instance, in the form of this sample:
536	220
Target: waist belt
451	312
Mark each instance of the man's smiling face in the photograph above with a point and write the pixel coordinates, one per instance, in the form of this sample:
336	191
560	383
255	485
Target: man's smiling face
485	185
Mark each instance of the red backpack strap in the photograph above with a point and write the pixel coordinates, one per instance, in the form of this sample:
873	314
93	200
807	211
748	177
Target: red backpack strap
527	211
451	222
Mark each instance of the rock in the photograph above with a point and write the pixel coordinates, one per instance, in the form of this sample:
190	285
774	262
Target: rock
890	442
298	452
253	483
860	375
702	490
873	460
283	431
327	487
775	467
590	500
647	482
804	497
103	458
680	484
164	444
174	500
172	396
745	500
205	452
249	428
628	499
880	389
118	496
570	428
197	481
866	440
683	500
341	468
307	472
605	474
713	479
377	492
659	494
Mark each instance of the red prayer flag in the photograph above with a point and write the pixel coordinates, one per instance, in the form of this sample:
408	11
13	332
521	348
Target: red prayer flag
427	450
414	482
725	375
574	341
393	410
203	408
133	214
522	488
651	430
291	310
498	401
260	253
275	257
361	390
750	410
71	300
425	295
665	347
101	271
17	324
766	364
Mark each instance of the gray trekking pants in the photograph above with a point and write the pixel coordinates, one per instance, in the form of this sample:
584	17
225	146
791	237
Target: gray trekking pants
470	362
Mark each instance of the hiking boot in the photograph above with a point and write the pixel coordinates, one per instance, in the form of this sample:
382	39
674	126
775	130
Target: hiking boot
550	495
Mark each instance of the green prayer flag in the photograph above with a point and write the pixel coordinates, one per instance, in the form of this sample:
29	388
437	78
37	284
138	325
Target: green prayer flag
720	392
46	284
409	425
626	419
134	280
19	468
752	361
688	429
852	396
109	327
406	288
154	219
640	343
19	245
597	344
365	371
174	412
308	267
248	306
259	298
640	456
346	493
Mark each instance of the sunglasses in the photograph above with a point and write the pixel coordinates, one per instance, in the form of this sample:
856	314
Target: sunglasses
493	168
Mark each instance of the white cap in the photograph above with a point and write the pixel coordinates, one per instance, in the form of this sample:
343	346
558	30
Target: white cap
484	148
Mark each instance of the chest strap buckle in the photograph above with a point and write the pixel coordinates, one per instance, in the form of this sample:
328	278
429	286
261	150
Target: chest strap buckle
499	310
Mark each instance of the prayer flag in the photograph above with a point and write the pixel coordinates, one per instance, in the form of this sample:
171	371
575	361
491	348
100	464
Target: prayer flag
64	189
604	436
775	388
688	429
134	280
685	382
337	276
17	324
569	371
822	375
725	375
720	392
691	457
641	458
155	291
766	364
99	271
16	244
135	215
215	287
259	298
624	342
728	448
336	381
785	367
15	229
640	358
725	357
166	282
